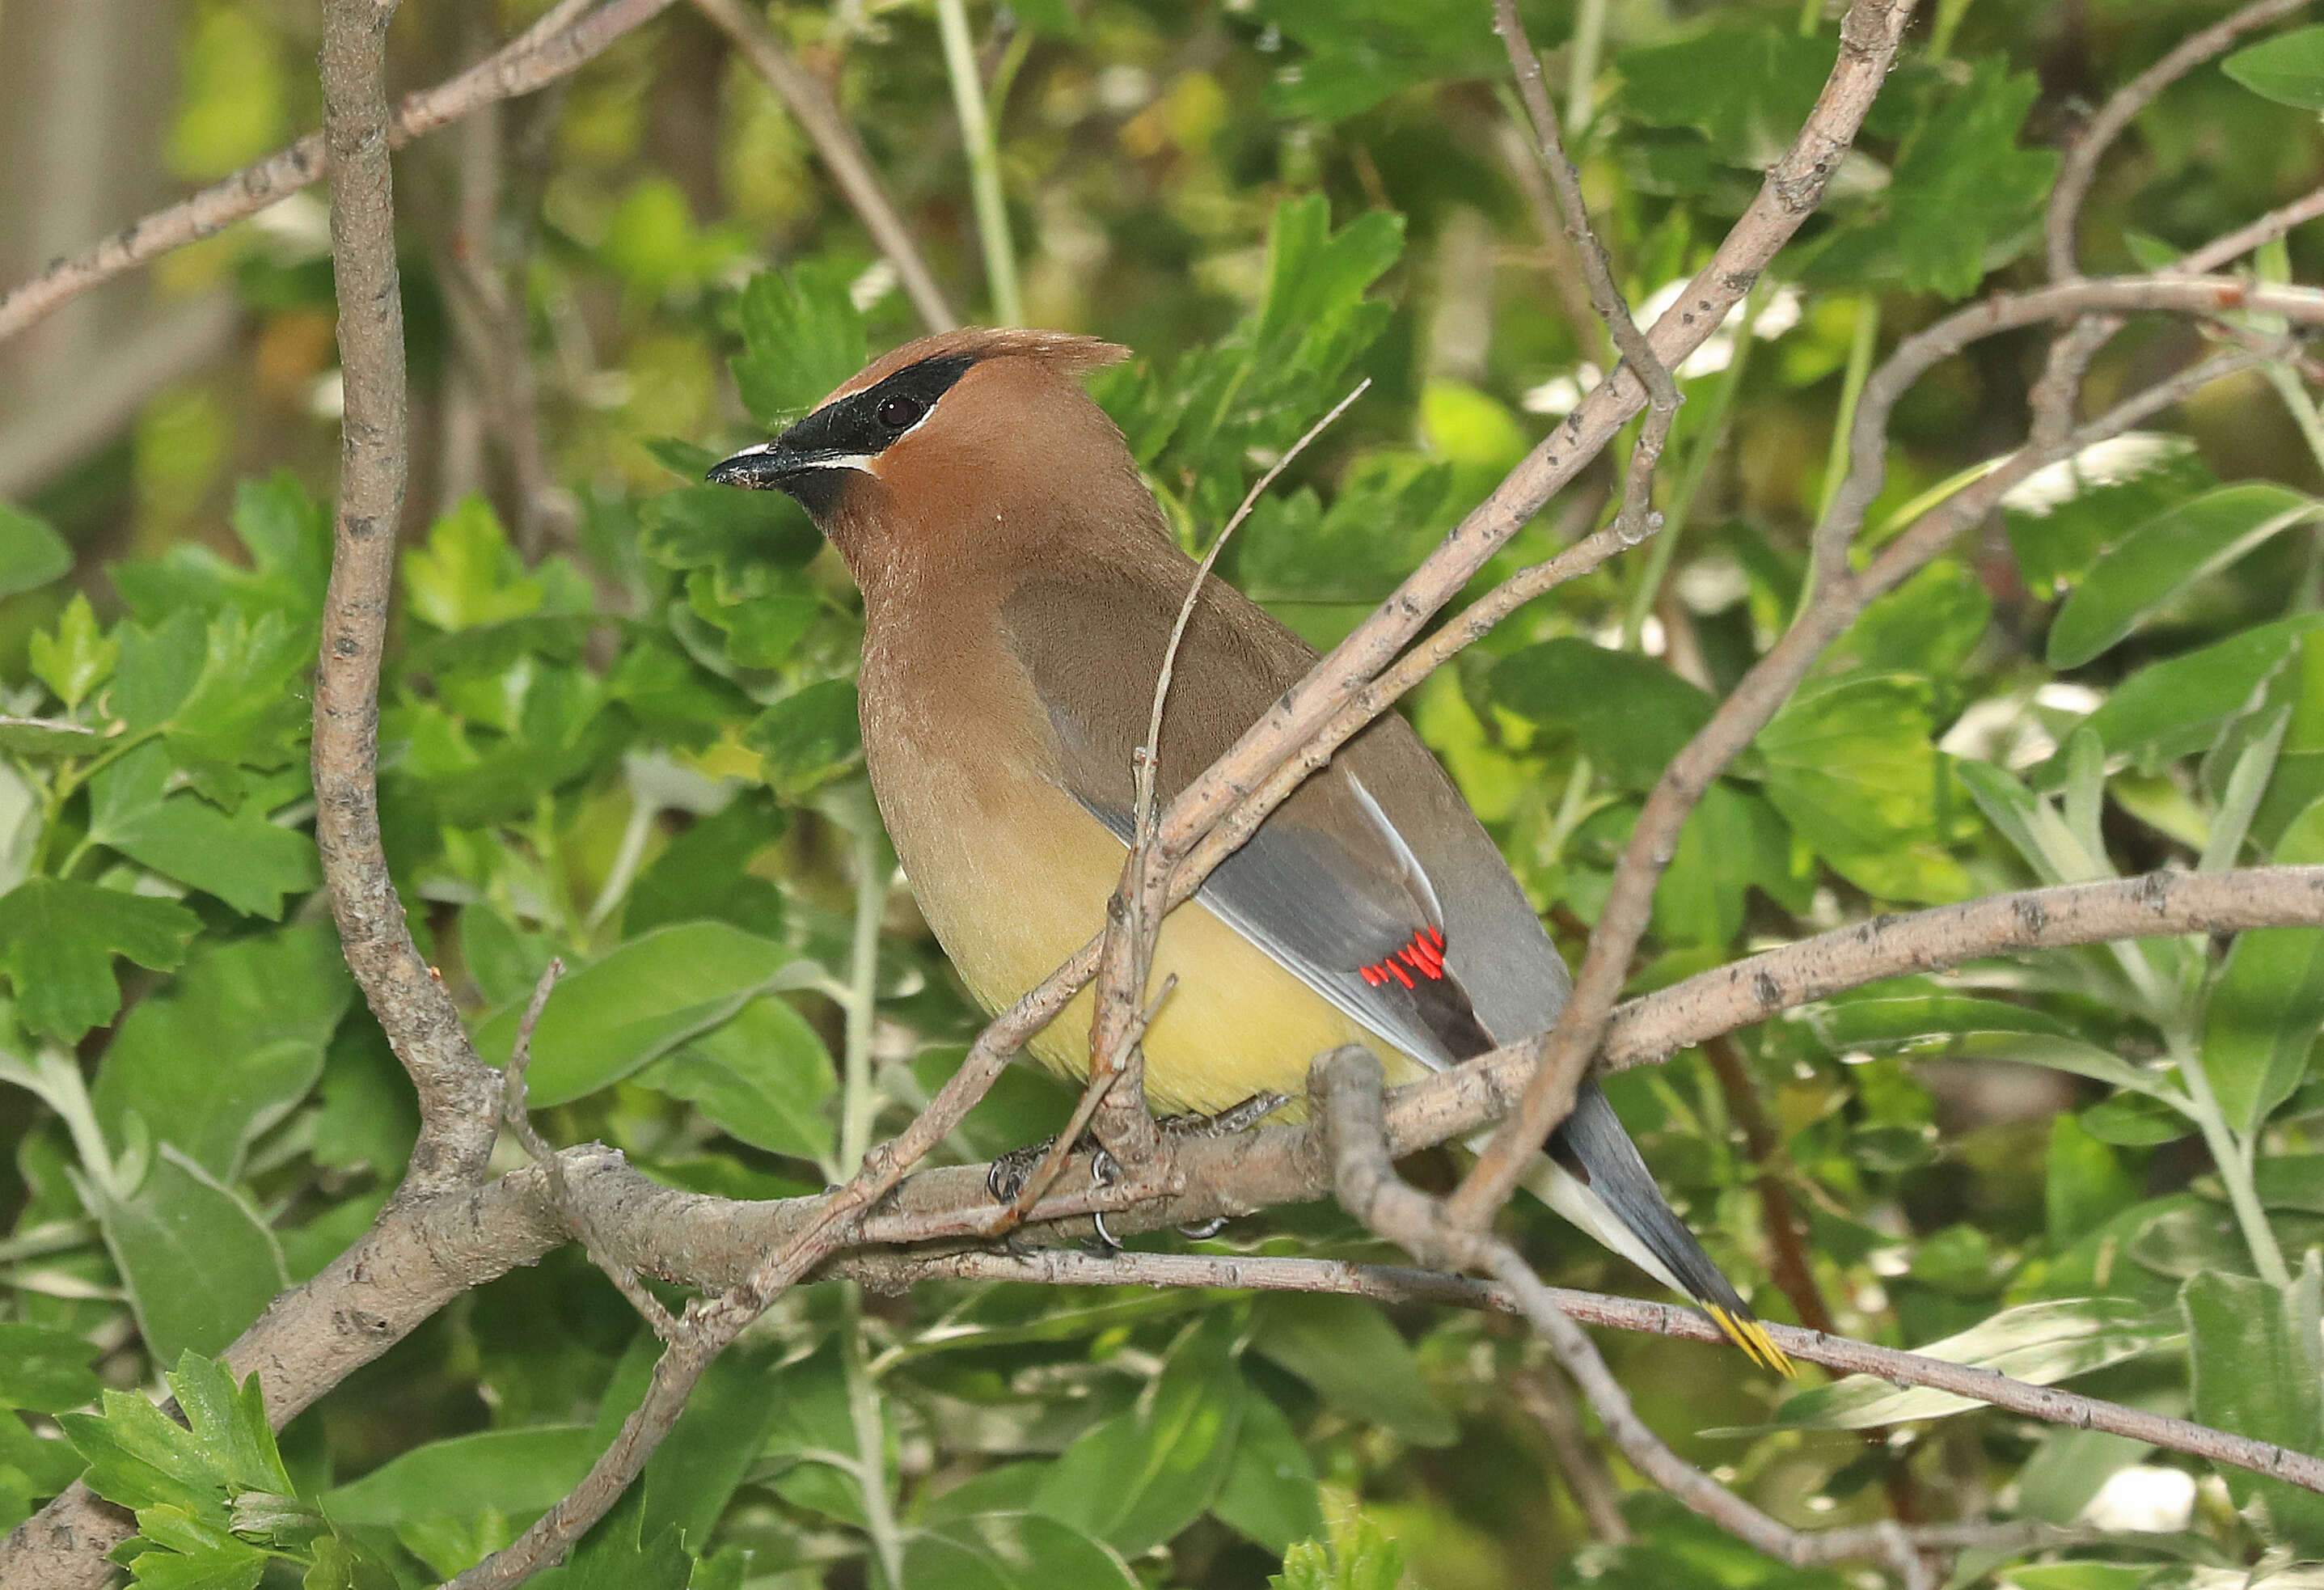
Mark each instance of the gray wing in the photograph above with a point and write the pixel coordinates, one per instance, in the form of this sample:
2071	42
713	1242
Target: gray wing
1334	886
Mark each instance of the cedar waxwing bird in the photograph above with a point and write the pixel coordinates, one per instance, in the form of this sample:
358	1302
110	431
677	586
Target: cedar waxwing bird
1019	587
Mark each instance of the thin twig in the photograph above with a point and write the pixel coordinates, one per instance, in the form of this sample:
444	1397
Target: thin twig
539	57
1637	519
2081	166
1550	1404
2058	393
516	1112
841	152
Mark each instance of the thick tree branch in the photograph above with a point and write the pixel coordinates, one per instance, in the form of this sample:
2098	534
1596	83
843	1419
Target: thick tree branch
540	56
457	1097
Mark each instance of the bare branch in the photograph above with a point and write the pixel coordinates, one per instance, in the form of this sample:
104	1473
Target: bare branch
1549	1401
842	150
1636	518
457	1103
2081	162
2057	391
539	57
2270	226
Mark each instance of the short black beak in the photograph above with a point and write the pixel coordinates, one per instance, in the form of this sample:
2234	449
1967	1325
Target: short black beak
764	467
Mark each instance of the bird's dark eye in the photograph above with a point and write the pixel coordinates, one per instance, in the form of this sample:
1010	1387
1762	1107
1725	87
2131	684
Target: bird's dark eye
900	413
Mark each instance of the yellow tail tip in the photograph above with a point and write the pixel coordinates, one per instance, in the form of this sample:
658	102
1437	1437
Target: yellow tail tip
1752	1337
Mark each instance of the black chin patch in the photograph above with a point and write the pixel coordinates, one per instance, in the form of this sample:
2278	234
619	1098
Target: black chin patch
817	491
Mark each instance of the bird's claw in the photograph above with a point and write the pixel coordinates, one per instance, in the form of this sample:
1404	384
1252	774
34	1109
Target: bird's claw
1258	1108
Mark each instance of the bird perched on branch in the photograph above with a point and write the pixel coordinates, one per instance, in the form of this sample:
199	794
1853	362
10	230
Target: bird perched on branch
1019	588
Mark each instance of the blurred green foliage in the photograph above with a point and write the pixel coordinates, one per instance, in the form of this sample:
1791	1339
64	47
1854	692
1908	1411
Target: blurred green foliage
623	732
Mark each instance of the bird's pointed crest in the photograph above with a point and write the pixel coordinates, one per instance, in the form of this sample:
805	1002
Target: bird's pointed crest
1063	351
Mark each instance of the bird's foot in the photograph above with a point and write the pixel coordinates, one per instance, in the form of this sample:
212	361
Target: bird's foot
1010	1170
1258	1108
1236	1118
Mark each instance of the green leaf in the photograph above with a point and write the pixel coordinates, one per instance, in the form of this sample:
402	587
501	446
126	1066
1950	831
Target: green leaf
369	1118
1733	842
1358	53
519	1472
466	575
2031	825
1389	510
2257	1368
194	1559
1135	1480
748	542
1629	713
288	535
230	1048
1963	199
763	1076
1747	90
198	1263
814	1431
241	857
229	1423
1011	1551
625	1552
2268	1003
641	1002
1254	391
1360	1556
802	336
77	658
2039	1343
809	737
2133	1120
57	939
35	1465
2061	518
2178	707
247	705
2288	69
704	875
1269	1494
2084	1184
44	1370
2136	577
1928	625
1884	1025
1853	768
140	1459
762	631
31	553
1347	1350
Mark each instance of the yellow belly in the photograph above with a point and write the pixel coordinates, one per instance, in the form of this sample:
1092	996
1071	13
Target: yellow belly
1012	892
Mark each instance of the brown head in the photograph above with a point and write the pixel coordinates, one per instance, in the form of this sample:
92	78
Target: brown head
971	451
